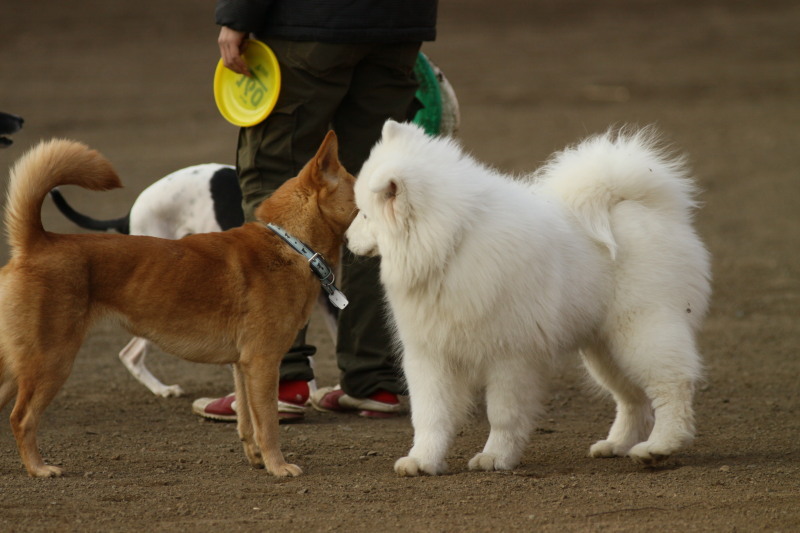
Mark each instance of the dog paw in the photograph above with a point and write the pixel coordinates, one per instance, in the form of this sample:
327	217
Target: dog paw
607	448
408	467
489	462
649	454
171	391
286	470
411	467
253	455
45	471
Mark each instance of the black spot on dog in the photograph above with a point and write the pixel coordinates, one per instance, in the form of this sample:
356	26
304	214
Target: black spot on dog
227	198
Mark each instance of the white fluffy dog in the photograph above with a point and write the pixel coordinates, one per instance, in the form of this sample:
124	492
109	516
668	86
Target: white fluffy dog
491	278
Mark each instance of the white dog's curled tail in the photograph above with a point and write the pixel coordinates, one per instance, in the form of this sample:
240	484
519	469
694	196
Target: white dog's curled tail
601	171
45	166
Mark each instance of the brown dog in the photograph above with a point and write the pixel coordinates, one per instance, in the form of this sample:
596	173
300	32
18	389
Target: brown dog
237	297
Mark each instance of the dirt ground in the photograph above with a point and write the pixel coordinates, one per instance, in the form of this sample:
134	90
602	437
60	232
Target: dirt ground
720	78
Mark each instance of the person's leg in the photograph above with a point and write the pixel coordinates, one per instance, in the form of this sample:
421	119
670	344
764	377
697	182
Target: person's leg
314	79
382	87
364	350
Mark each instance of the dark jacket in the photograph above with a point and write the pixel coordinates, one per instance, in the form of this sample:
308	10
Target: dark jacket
332	21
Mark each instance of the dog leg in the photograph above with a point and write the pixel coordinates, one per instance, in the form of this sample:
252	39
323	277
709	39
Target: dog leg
634	418
260	380
8	388
513	402
660	357
8	385
674	423
440	401
36	389
244	424
133	356
631	425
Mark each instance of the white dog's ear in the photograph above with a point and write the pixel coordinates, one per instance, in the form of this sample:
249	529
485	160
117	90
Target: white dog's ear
386	189
390	194
391	129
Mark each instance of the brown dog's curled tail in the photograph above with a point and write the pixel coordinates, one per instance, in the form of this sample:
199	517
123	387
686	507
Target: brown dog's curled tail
43	167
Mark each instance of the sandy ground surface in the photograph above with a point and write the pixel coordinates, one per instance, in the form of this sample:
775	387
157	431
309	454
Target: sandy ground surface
720	78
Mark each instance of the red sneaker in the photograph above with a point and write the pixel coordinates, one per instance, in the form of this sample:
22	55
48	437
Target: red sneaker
293	392
220	409
381	404
292	397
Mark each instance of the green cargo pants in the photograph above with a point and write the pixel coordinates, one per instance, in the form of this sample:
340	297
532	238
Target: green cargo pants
353	89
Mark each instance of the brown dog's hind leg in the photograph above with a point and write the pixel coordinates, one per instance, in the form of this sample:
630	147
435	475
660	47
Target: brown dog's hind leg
38	381
32	399
260	376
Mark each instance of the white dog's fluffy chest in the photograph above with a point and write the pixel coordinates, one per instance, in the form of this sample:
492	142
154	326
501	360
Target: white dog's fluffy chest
523	279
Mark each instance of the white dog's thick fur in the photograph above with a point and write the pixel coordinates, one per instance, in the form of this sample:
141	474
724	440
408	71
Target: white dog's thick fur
491	278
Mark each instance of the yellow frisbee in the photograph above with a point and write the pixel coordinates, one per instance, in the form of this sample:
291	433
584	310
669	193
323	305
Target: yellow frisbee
247	101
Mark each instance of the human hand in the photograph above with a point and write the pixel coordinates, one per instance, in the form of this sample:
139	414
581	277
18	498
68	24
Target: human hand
231	47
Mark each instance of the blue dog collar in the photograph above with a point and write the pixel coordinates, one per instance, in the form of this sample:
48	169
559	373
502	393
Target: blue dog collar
318	265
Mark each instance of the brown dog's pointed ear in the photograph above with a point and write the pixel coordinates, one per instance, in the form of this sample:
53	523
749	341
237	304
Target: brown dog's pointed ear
328	152
326	165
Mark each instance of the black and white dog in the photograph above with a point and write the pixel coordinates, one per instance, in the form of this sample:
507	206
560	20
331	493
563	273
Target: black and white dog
196	199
